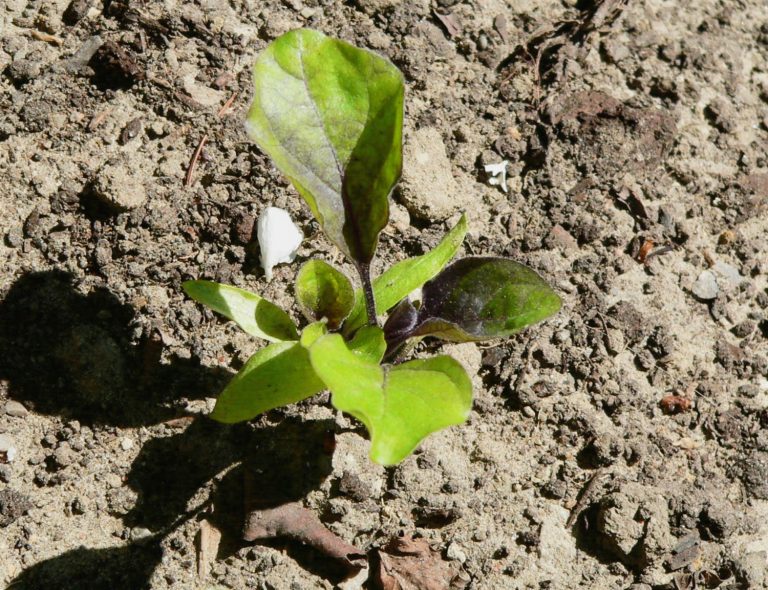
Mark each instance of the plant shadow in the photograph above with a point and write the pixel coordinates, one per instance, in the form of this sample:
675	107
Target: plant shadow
118	568
71	355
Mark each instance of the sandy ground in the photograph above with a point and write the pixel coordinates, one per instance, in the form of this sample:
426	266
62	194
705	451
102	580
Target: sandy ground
638	186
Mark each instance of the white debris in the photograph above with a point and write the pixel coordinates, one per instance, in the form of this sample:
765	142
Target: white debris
706	287
497	174
279	238
8	450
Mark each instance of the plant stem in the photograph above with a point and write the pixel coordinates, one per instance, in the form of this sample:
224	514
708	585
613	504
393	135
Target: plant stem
364	270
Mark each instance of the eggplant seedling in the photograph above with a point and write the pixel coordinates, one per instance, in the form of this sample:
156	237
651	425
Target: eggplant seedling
330	116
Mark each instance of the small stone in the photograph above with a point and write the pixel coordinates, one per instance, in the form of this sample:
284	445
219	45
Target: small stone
119	187
8	450
429	190
126	444
705	287
13	505
744	329
5	473
15	409
754	474
114	480
139	533
729	274
455	552
64	456
560	239
14	237
78	506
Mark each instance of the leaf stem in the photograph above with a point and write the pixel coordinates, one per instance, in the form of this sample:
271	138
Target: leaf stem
364	270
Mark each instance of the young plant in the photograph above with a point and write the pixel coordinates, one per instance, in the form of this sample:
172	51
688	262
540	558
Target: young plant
330	116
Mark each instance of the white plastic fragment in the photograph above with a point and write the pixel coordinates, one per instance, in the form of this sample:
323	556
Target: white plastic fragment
279	238
497	174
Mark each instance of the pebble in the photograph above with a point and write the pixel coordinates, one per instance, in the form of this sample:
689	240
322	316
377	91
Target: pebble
705	286
139	533
729	273
8	450
15	409
126	444
64	456
114	480
120	187
455	552
5	473
14	237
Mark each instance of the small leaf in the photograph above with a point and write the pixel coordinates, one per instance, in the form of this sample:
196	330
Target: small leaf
399	405
312	332
324	292
480	298
255	315
330	115
405	276
369	343
275	376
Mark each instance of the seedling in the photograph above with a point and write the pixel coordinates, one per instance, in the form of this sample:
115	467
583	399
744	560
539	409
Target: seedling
330	116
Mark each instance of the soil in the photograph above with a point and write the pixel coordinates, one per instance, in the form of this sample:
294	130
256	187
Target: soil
620	444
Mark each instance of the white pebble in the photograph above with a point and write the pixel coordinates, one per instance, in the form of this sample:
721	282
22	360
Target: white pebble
126	444
15	409
455	552
705	286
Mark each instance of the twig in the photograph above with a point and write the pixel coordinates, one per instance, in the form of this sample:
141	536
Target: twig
45	37
293	521
225	107
584	497
98	119
193	161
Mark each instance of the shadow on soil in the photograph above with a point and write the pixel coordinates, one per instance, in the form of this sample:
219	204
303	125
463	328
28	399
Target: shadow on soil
70	355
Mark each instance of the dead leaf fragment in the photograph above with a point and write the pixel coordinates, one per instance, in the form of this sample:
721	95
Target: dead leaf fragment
411	564
449	22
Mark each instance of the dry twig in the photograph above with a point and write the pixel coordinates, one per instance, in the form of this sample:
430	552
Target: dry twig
193	161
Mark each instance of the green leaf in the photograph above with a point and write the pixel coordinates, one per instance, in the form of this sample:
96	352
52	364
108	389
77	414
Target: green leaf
405	276
399	405
312	332
480	298
275	376
324	292
330	115
255	315
369	343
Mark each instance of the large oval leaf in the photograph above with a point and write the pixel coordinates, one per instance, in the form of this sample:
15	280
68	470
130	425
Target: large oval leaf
477	298
405	276
275	376
330	115
254	314
399	405
324	292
